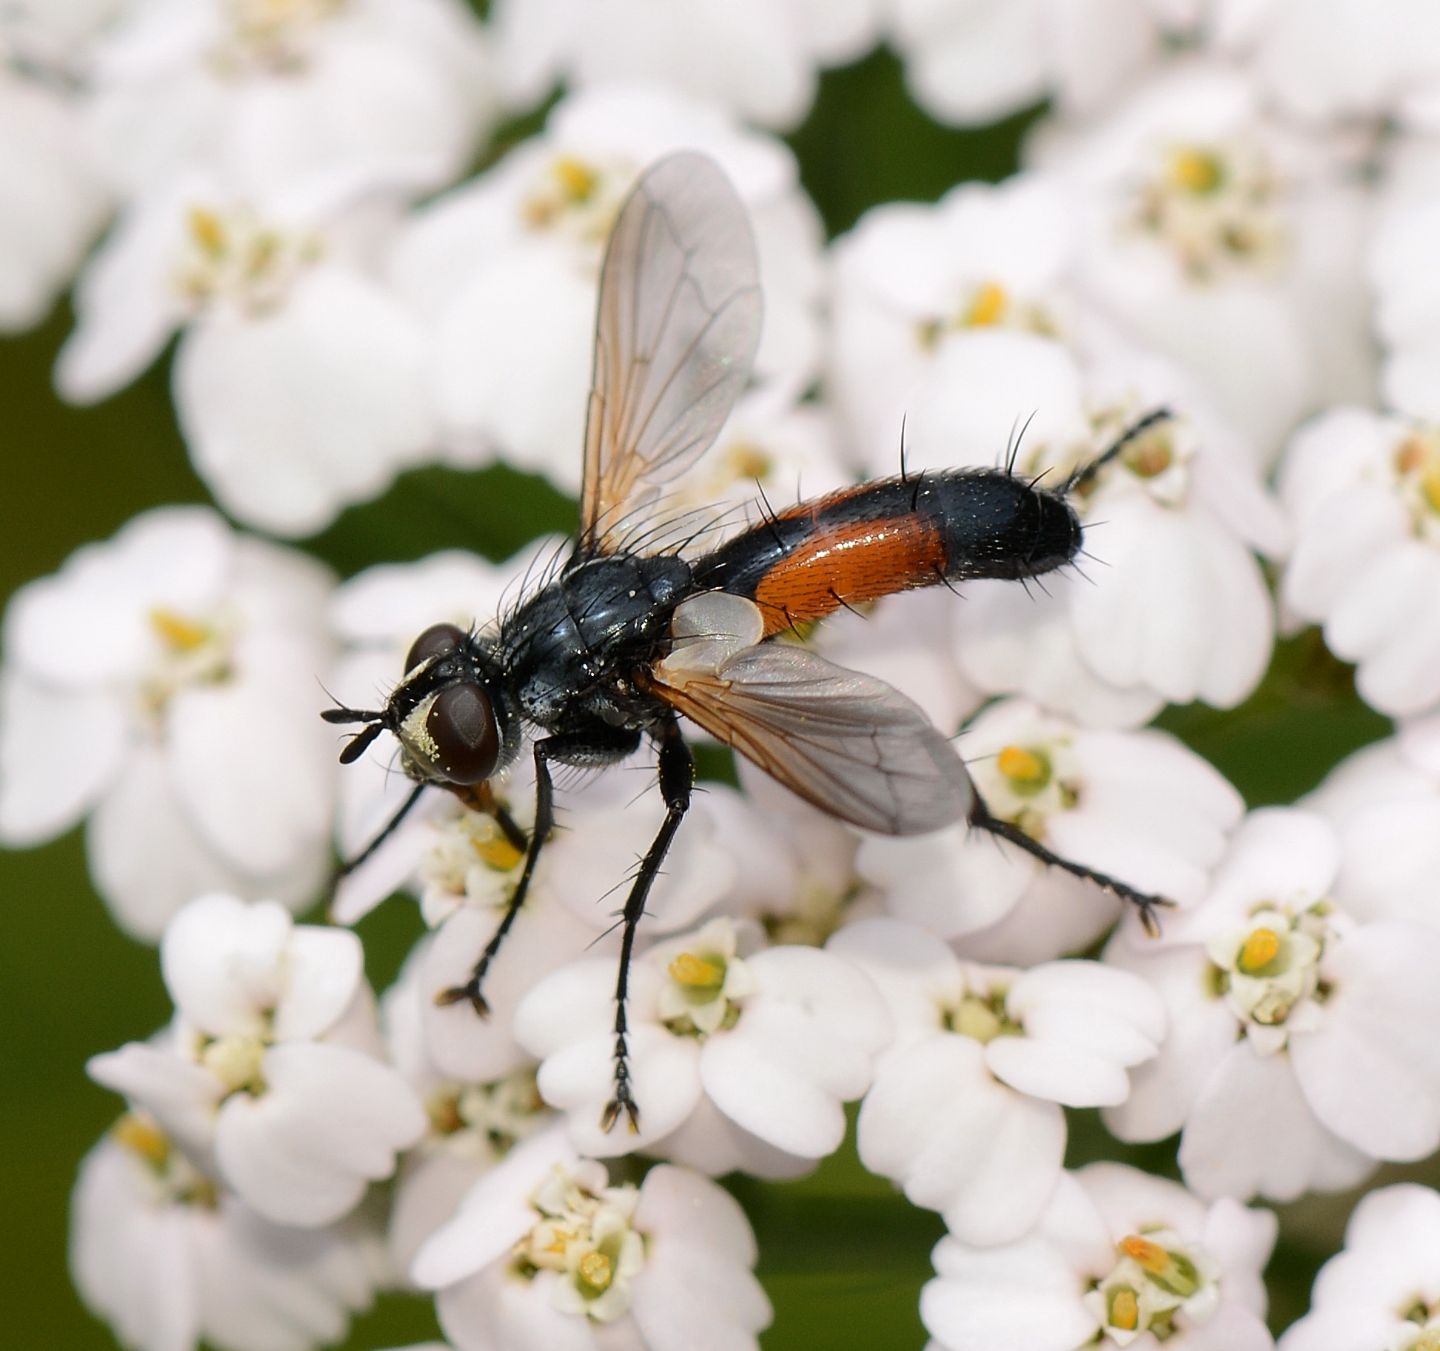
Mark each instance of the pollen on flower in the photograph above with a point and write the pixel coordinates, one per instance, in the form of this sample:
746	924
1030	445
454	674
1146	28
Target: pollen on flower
143	1137
1156	1274
584	1233
707	983
746	460
178	633
988	306
173	1176
1269	972
1417	470
1217	208
578	196
233	257
1027	770
1258	951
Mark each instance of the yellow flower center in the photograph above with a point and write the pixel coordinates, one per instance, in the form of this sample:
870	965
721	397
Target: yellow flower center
495	851
702	975
596	1272
988	306
142	1136
1028	771
1196	171
745	460
1124	1309
1258	951
179	634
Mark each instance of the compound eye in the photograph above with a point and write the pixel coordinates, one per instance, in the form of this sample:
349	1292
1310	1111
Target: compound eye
461	723
439	640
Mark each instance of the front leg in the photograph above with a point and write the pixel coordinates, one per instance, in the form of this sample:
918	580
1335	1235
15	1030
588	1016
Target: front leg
677	777
589	747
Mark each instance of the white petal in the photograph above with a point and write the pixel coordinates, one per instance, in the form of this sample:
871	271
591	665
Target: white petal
182	1096
493	1214
254	774
665	1084
492	1312
957	1141
676	1205
688	1298
1057	1072
324	969
1084	1003
329	1122
1371	1072
1024	1297
58	751
771	1098
222	963
289	417
1251	1131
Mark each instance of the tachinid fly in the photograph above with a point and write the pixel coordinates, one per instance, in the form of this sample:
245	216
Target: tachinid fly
624	642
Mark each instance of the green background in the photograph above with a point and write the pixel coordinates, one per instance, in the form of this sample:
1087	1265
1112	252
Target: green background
842	1258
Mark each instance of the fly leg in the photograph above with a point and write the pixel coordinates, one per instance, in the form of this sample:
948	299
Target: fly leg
570	748
386	831
677	777
1145	903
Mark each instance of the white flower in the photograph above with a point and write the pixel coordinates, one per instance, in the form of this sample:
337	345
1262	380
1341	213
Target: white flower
1381	1291
1384	802
506	268
1135	805
913	281
473	1125
1170	529
755	57
52	201
965	1111
545	1253
1300	1049
1226	242
308	94
775	1041
170	1258
972	61
1364	491
299	380
165	681
1118	1259
1343	61
1407	303
270	1079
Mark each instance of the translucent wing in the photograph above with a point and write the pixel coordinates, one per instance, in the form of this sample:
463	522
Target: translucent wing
676	331
851	744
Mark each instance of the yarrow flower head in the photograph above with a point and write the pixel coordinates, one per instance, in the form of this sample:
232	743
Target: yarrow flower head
737	1058
965	1111
1118	1259
1381	1290
172	1259
546	1249
269	1078
1296	1056
187	730
1081	793
1364	491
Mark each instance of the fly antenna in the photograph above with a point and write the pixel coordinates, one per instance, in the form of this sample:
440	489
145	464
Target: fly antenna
1133	432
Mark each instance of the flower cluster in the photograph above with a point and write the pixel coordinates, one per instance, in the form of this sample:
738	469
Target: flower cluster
372	232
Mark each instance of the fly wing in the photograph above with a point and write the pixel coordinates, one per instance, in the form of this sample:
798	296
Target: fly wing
845	741
675	334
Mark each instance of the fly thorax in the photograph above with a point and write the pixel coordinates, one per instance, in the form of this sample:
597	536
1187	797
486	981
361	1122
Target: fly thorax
1218	208
1157	1276
233	258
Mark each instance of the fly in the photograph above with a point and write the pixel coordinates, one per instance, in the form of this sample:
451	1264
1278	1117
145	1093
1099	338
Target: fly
631	636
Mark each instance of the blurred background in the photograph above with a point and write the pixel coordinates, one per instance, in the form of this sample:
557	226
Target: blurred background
842	1258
